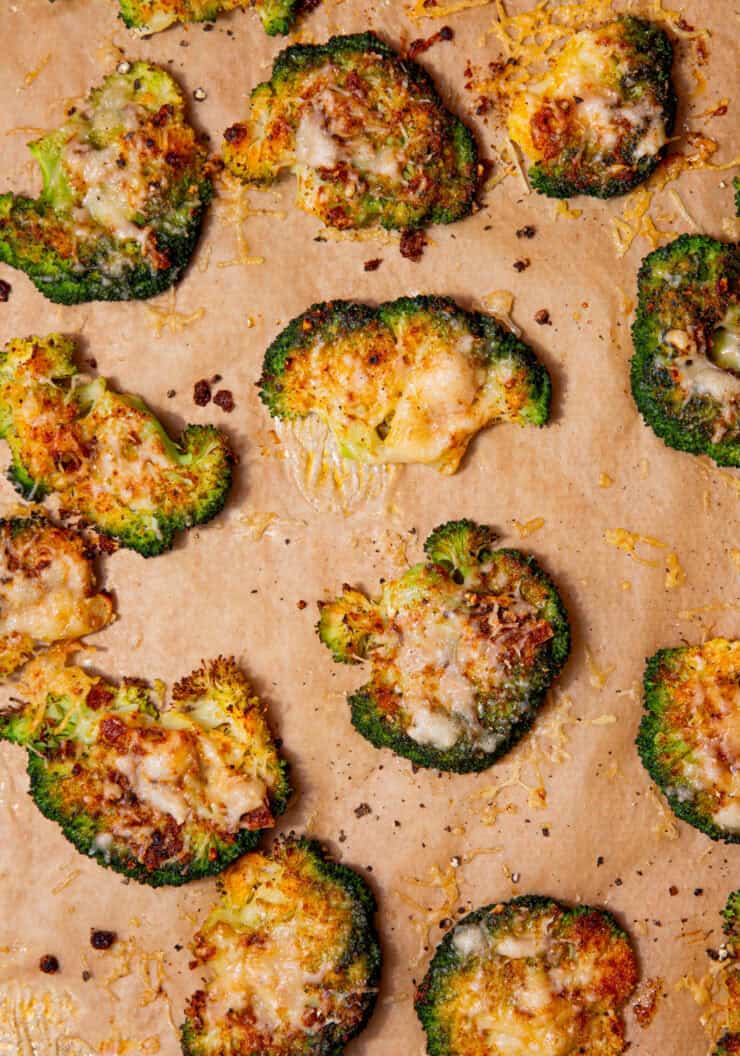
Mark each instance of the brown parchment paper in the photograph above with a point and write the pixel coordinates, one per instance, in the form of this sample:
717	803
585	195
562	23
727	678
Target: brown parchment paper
570	813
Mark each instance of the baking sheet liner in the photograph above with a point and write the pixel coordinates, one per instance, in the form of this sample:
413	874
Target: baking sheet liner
570	812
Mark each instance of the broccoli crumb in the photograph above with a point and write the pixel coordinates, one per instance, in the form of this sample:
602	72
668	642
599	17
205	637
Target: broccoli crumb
412	245
5	290
363	810
225	400
49	964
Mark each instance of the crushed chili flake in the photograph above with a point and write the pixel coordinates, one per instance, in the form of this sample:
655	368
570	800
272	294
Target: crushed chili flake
416	47
412	245
201	393
224	400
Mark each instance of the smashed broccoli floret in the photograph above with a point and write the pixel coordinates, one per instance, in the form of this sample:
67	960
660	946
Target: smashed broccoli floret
47	589
534	972
462	650
104	453
163	794
686	366
599	120
125	188
364	131
410	381
151	16
688	738
292	958
729	1043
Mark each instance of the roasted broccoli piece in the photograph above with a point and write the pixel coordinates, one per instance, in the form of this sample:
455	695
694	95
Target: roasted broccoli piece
47	589
729	1042
530	975
292	958
125	188
686	366
364	131
462	650
164	794
103	452
151	16
411	381
599	120
688	738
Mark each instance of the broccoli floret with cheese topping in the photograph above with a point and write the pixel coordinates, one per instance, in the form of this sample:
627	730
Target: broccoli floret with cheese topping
47	589
163	794
151	16
410	381
688	737
364	131
599	120
104	453
729	1042
462	649
531	973
686	366
291	957
125	188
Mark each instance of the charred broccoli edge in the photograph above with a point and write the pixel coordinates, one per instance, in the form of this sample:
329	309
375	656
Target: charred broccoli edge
650	727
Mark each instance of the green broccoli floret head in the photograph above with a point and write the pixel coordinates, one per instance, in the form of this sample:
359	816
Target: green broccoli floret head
125	187
686	366
497	957
291	913
104	453
462	650
163	794
600	119
683	731
364	131
412	380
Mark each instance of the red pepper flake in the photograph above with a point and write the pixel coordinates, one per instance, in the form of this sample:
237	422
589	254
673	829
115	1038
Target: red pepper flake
224	400
528	231
416	47
372	265
543	317
49	964
201	393
5	289
302	604
412	245
522	265
102	940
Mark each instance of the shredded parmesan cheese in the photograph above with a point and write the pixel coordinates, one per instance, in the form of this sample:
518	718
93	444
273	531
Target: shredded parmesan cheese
529	527
166	317
33	74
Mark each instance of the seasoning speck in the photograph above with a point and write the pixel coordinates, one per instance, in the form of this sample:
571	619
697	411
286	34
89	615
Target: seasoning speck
543	317
372	265
102	940
522	265
528	231
49	964
224	400
201	393
363	810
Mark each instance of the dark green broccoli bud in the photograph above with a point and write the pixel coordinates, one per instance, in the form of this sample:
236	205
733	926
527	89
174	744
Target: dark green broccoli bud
103	452
292	958
462	650
47	589
410	381
364	131
125	187
151	16
533	972
599	120
686	366
163	794
688	738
